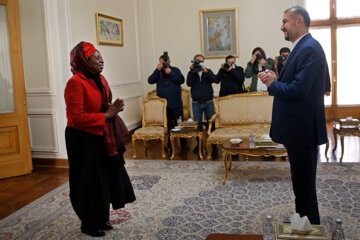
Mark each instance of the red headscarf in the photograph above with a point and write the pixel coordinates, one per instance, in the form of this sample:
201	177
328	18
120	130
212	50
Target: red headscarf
79	58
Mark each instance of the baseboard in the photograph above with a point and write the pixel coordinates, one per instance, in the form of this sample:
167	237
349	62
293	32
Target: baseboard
64	163
50	162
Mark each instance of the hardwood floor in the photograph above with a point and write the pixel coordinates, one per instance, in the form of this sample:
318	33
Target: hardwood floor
17	192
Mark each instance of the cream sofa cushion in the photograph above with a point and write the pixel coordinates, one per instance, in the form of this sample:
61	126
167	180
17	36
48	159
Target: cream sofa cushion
150	130
238	132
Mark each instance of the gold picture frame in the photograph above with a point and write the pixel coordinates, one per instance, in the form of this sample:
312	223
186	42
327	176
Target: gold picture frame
219	32
109	30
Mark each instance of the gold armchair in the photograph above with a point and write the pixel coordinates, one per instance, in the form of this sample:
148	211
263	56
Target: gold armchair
154	123
185	97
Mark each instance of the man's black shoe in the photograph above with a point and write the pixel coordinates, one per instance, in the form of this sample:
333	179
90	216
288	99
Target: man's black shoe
92	231
106	227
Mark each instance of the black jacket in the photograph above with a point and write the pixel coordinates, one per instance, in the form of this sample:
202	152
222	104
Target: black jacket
201	91
168	86
231	82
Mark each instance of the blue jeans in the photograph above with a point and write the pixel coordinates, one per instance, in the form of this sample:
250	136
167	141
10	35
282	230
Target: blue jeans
200	108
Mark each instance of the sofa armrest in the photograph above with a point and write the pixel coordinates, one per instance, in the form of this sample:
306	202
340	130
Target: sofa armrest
212	119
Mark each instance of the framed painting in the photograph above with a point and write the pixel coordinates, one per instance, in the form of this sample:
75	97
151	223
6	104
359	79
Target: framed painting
109	30
219	32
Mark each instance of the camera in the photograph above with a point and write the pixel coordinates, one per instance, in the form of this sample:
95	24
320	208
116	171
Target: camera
197	65
259	56
165	57
227	65
282	58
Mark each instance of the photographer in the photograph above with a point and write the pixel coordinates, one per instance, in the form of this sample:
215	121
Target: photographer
199	79
258	63
231	77
280	60
168	81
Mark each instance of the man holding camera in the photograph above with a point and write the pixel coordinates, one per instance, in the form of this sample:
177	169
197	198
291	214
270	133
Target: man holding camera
231	77
280	60
258	63
199	79
168	81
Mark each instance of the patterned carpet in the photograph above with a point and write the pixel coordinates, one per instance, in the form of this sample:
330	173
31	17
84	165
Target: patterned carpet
185	200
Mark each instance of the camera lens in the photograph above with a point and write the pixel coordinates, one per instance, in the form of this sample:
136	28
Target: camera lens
259	56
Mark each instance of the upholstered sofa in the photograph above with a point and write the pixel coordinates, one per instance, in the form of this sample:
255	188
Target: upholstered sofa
239	115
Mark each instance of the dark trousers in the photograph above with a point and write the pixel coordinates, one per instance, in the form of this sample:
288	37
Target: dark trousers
200	108
303	162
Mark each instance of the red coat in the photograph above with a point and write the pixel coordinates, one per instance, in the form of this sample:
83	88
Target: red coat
83	102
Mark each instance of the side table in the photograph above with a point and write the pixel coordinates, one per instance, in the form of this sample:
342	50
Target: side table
342	131
187	133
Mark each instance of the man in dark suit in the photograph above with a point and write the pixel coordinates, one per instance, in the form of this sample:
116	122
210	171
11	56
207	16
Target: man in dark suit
298	118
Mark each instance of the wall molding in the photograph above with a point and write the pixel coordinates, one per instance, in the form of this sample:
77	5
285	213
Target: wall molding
51	114
125	84
130	98
48	26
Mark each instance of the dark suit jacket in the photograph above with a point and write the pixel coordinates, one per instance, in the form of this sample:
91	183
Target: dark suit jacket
298	117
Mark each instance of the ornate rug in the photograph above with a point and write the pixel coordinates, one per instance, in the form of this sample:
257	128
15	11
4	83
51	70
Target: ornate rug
183	200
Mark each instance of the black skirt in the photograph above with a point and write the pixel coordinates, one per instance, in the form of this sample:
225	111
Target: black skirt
95	179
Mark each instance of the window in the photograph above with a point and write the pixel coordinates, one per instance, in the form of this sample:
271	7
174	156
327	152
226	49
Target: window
336	25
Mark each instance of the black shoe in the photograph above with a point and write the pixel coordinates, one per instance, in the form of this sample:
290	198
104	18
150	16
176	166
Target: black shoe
106	227
185	146
214	149
92	231
196	149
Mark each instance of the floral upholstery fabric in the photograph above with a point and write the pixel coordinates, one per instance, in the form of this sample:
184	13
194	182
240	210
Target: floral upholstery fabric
244	110
150	130
238	132
154	112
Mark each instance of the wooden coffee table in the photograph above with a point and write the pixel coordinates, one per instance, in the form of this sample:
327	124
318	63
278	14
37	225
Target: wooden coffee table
187	133
224	236
243	148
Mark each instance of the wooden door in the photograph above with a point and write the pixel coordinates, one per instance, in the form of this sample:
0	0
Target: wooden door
15	150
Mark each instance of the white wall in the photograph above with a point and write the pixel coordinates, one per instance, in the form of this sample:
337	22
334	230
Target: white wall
176	26
51	28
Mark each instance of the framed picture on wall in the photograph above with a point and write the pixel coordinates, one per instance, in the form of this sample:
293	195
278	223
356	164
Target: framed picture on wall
219	32
109	30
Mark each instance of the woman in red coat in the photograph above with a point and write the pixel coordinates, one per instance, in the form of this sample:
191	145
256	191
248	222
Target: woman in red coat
94	141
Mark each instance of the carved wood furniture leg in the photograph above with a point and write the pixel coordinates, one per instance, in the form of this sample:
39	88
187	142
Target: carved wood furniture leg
342	147
163	147
335	140
326	150
134	147
209	150
145	145
200	146
224	157
172	146
230	161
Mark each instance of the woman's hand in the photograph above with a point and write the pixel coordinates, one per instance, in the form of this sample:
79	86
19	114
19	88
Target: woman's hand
253	58
114	108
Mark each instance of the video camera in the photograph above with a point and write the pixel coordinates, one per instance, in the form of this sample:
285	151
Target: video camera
165	57
282	58
197	65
